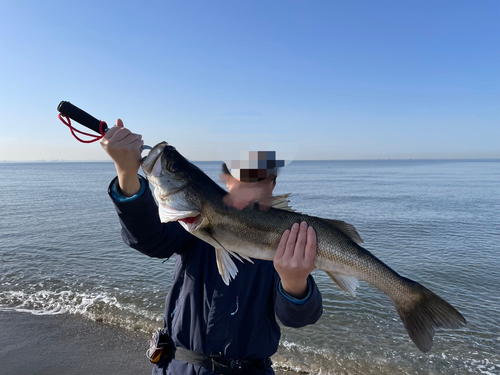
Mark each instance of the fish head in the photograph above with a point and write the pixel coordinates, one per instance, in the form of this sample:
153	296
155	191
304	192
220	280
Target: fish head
175	188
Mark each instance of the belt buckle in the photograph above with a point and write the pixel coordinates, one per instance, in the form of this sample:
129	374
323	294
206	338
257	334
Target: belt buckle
237	364
215	357
222	365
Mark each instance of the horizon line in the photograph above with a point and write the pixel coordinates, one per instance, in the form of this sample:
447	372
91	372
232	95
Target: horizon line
214	161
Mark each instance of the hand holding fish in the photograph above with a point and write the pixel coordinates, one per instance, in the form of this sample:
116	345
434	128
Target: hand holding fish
124	148
294	259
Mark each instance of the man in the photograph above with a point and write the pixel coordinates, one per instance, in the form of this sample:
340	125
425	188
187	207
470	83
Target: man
215	328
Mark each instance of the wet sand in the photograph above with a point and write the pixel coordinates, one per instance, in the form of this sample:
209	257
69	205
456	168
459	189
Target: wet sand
68	344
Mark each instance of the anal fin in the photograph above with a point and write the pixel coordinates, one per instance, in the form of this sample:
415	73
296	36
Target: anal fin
347	283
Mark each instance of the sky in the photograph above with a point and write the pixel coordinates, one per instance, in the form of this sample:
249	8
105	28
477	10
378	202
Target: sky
328	79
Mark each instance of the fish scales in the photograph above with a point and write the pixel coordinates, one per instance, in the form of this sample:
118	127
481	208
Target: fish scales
187	195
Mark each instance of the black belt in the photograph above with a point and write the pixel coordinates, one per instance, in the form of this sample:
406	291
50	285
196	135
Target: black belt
217	363
162	348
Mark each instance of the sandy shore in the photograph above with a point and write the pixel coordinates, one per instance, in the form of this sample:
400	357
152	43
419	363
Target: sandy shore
64	344
67	344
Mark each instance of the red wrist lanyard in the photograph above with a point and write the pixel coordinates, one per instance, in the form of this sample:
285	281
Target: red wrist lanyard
67	121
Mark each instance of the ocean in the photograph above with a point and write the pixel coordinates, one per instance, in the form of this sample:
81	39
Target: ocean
434	221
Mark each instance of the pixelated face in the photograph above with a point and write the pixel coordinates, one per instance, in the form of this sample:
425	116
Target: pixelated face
241	194
256	166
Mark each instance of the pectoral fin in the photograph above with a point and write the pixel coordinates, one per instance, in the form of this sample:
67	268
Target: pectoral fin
347	283
225	265
239	256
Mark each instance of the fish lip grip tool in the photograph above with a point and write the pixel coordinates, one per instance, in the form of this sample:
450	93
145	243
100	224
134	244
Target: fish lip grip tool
68	112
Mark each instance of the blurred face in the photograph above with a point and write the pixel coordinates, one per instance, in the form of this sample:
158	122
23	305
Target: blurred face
250	191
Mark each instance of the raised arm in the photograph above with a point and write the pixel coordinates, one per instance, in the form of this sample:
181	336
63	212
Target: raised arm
124	148
136	208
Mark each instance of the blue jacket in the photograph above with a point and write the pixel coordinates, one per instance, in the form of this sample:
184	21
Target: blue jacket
202	313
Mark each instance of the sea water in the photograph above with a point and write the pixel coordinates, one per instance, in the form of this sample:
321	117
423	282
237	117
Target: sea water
434	221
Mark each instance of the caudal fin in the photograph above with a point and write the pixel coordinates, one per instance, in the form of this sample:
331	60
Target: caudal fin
424	312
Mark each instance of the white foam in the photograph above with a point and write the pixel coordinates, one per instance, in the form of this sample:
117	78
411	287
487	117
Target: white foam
484	366
94	305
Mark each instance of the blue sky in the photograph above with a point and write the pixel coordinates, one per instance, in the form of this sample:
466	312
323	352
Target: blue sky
343	79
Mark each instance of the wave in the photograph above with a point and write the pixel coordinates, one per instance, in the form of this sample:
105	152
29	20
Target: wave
97	306
297	353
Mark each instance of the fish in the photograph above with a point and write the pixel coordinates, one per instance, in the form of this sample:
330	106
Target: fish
187	195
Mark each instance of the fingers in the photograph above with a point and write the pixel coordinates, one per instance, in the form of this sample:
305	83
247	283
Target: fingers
110	132
300	242
311	245
130	139
114	129
292	239
120	136
294	259
136	144
282	244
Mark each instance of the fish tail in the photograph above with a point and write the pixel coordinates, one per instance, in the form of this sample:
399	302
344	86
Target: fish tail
423	311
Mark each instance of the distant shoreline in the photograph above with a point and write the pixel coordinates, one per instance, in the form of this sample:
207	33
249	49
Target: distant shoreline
219	161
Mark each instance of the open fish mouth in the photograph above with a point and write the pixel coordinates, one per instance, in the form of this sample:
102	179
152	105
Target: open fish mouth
149	161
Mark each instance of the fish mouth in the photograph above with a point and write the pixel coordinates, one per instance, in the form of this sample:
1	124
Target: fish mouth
148	162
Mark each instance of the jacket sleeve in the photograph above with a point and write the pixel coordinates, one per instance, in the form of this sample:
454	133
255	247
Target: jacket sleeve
141	226
298	313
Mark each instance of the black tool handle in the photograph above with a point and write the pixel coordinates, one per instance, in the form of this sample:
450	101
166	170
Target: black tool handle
80	116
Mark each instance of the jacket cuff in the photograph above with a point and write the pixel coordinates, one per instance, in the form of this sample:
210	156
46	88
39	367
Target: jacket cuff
117	195
294	300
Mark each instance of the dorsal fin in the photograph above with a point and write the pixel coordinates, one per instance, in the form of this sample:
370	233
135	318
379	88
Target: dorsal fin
345	228
279	202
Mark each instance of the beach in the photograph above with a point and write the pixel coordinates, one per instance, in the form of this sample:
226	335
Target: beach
62	344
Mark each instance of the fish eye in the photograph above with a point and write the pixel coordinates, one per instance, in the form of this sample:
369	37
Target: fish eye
172	166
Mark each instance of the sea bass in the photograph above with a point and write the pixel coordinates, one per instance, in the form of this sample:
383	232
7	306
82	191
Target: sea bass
187	195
